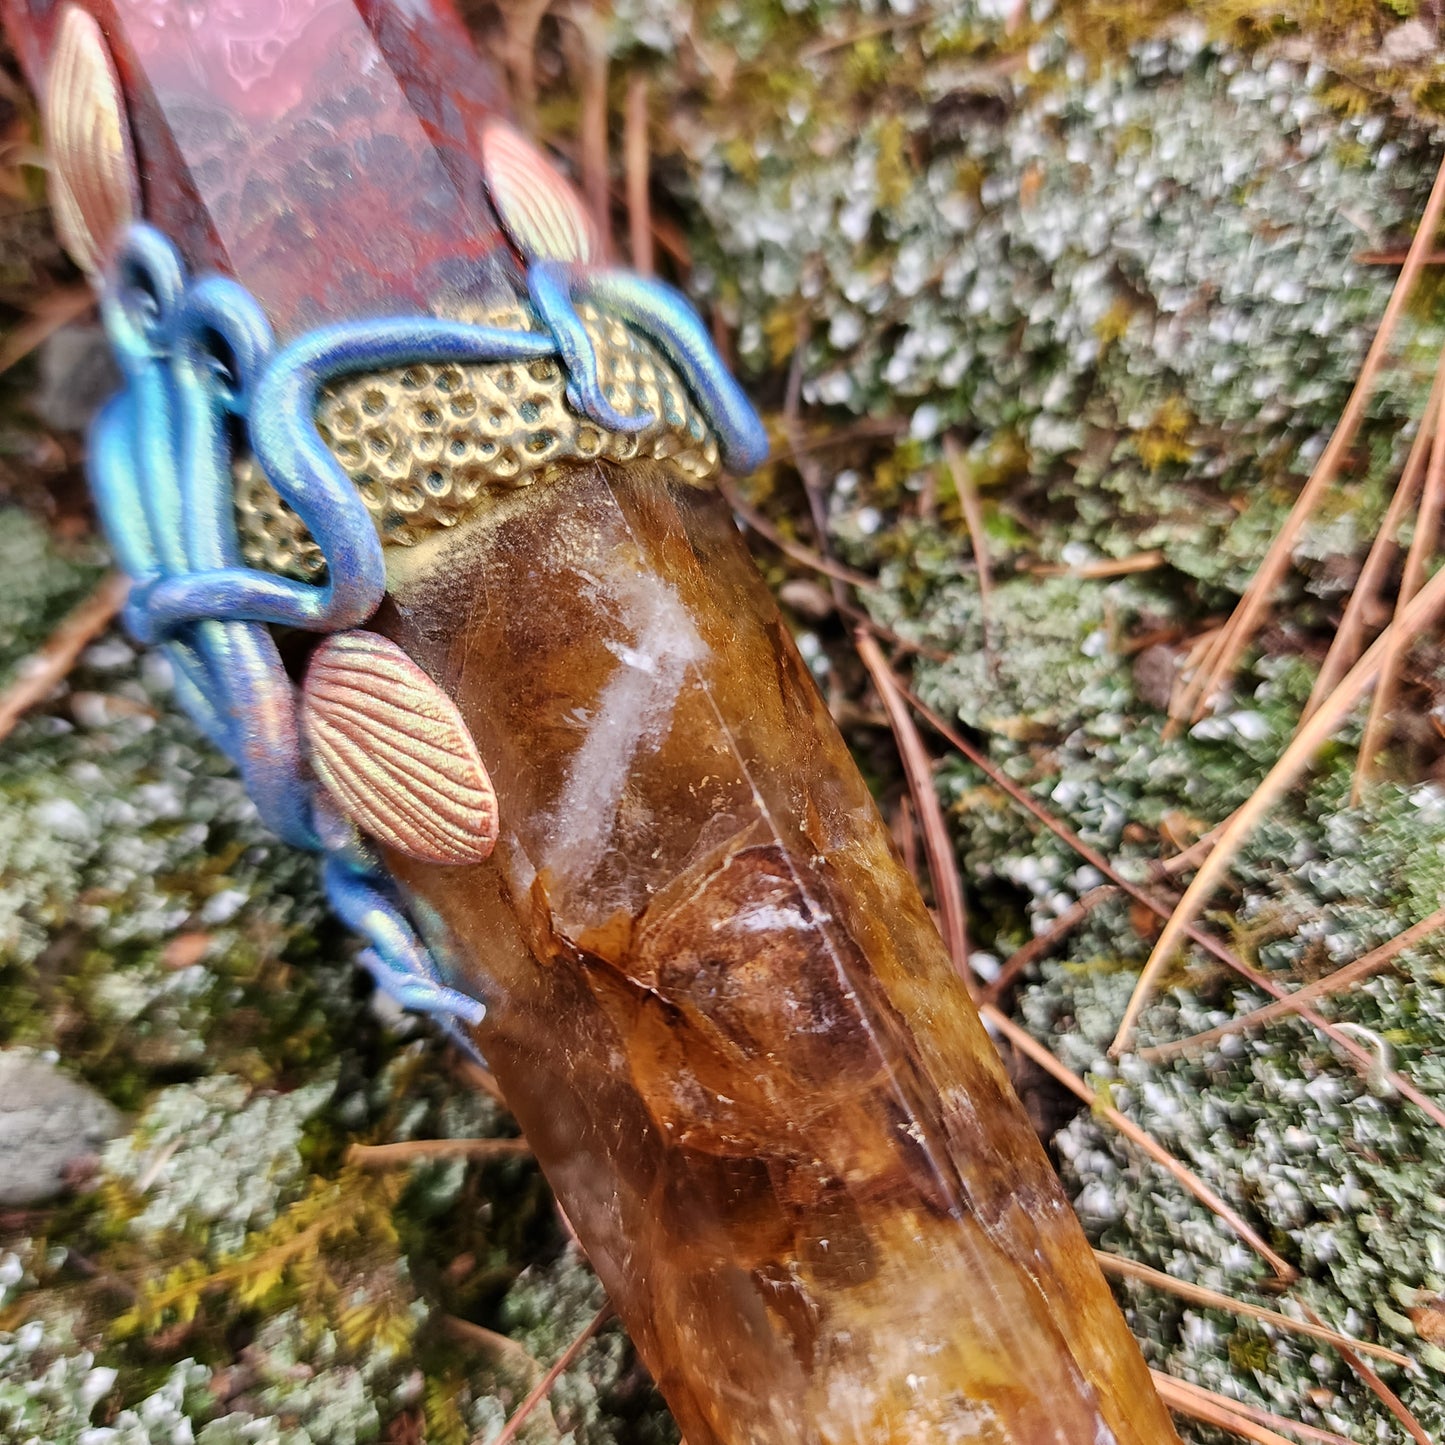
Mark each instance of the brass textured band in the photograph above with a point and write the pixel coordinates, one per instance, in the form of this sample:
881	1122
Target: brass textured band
425	445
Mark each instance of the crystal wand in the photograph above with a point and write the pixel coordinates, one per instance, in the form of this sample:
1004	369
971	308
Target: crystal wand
568	776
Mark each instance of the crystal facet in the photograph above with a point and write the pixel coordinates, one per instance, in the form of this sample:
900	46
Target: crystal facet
721	1012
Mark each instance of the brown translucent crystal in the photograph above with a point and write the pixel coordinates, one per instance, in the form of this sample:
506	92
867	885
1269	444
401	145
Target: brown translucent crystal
720	1011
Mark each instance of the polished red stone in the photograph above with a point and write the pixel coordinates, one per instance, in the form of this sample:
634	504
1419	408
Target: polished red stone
320	151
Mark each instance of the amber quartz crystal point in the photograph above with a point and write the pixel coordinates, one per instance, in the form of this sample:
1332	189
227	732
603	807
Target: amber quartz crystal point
719	1008
714	998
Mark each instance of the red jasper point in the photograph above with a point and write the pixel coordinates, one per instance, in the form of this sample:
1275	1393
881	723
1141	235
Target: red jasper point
322	152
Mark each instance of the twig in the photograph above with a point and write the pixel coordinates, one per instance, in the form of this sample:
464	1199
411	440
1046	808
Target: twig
918	767
865	32
1163	910
1026	1044
1212	1299
478	1077
1341	978
521	20
1039	947
408	1151
1292	762
804	556
1349	638
42	673
494	1344
1191	857
809	472
905	834
1245	1420
546	1384
152	1171
636	164
54	310
867	429
973	520
1393	258
590	58
1149	561
1412	578
860	618
1242	627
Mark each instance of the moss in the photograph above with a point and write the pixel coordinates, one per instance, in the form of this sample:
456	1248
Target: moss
43	582
239	1276
1113	250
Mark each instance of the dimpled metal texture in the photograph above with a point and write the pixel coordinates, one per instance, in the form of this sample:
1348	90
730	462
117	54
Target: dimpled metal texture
424	445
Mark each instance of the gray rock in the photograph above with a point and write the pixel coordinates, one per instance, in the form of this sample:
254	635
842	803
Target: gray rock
49	1124
77	373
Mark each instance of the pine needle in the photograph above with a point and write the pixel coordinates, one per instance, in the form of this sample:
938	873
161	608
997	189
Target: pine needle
1295	759
1212	1299
1026	1044
1348	641
54	310
1246	1421
1040	946
1166	911
1242	626
548	1382
918	767
1422	547
410	1151
1341	978
802	555
973	520
637	164
41	674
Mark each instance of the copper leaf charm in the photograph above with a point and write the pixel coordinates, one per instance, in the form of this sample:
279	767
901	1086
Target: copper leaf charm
542	215
93	186
393	749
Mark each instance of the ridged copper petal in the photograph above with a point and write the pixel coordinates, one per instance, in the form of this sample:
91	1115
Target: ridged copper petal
540	212
394	751
93	187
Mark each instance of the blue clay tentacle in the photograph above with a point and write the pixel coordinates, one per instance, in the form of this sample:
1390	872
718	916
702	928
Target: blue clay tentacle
111	465
194	694
396	957
217	324
551	285
200	375
666	317
267	741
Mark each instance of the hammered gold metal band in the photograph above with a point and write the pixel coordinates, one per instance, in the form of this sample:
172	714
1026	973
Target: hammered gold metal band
426	445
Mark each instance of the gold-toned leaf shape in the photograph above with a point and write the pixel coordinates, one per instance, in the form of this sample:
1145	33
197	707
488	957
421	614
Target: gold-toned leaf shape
542	215
94	190
394	751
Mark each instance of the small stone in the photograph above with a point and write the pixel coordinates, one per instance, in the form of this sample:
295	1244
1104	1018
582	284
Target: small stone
50	1125
1156	669
77	373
